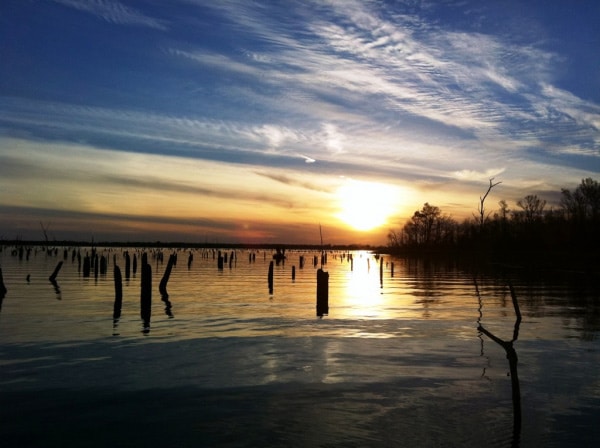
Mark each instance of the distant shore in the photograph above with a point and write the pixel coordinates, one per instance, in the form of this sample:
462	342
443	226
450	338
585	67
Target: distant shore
197	245
587	263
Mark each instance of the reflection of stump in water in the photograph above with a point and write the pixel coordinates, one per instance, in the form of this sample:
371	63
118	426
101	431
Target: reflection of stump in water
511	355
162	287
56	289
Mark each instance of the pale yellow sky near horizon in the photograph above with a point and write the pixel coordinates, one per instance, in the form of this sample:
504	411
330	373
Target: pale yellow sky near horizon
85	192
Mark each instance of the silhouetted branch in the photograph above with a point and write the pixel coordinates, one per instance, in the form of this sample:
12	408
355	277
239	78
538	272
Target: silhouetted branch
481	208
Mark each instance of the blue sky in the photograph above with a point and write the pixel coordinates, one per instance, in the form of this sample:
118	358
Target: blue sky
257	121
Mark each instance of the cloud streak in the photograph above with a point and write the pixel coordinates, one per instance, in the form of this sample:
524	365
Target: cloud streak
114	12
292	98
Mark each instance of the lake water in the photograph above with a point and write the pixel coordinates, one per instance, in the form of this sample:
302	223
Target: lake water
400	360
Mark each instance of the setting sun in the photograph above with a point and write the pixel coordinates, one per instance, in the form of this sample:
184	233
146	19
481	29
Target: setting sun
366	205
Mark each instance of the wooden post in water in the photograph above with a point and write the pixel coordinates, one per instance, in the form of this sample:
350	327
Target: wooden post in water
293	273
134	264
103	265
146	293
392	270
220	262
322	292
118	293
270	277
52	277
381	272
96	267
86	266
162	287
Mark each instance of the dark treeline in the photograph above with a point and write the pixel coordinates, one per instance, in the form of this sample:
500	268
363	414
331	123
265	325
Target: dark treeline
567	234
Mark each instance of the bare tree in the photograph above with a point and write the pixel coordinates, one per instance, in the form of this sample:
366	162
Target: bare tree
481	209
503	209
45	230
532	206
584	202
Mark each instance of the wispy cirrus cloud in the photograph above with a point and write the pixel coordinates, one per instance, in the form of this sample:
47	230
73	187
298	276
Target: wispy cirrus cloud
115	12
486	85
241	108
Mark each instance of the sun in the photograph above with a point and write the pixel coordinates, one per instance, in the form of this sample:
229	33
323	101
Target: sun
366	205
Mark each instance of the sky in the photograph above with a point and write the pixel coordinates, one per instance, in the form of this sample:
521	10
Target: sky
241	121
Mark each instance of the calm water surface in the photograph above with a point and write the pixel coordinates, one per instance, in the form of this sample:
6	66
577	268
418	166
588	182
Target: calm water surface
401	360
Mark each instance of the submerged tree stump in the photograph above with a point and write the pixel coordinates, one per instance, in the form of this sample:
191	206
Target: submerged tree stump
146	293
220	262
118	293
270	278
322	292
103	265
86	266
52	277
162	287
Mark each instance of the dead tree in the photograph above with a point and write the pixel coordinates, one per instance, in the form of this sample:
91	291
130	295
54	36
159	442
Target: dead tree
480	207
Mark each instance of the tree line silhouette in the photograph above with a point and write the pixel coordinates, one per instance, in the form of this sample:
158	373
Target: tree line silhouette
530	228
